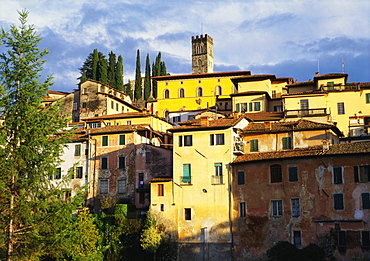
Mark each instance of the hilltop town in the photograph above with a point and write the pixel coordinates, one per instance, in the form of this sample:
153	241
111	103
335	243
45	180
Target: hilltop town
229	162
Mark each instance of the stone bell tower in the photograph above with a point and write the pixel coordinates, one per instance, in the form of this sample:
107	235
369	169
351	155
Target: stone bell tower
202	54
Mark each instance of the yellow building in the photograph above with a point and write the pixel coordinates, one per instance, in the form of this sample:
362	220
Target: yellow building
195	205
193	91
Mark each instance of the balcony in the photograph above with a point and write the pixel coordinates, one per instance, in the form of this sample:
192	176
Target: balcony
185	180
340	87
305	113
217	180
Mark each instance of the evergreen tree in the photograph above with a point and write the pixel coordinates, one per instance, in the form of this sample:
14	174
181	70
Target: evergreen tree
34	218
88	65
119	74
112	70
159	69
95	62
103	71
163	69
147	79
138	88
83	77
128	90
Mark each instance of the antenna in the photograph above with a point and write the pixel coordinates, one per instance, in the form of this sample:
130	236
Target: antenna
343	63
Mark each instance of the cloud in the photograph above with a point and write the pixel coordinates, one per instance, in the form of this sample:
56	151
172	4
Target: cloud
267	22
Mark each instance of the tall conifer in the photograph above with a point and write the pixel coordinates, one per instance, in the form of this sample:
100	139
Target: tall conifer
138	88
119	74
147	79
35	220
111	74
103	71
95	62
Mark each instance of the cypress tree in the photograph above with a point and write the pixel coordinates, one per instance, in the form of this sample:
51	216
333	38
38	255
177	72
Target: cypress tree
119	74
88	65
163	69
102	73
147	79
95	62
138	88
128	90
112	69
35	221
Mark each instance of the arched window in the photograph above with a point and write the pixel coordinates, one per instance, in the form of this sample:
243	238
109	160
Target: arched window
218	90
200	62
199	92
181	93
166	94
276	174
166	114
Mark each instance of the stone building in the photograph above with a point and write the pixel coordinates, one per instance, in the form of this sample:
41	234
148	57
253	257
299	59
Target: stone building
202	54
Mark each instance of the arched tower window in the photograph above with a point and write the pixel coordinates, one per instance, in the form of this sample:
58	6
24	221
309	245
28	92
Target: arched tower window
218	90
166	94
199	91
181	93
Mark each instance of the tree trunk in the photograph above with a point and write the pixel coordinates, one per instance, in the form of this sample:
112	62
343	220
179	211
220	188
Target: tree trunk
10	244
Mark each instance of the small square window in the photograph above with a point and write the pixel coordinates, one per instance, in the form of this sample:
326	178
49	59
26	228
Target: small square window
103	186
340	108
79	173
254	145
121	186
160	190
362	173
296	211
187	213
122	139
162	207
241	180
276	175
121	162
78	150
84	105
128	122
277	208
287	143
367	97
104	163
58	173
338	175
297	238
105	141
365	200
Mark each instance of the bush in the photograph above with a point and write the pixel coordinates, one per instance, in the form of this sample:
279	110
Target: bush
285	251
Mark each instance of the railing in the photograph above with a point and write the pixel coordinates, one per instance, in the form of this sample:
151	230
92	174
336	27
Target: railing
185	180
217	179
305	113
340	87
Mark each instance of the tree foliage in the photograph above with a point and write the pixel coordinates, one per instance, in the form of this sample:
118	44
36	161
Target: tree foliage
112	69
34	216
147	80
158	69
138	88
119	73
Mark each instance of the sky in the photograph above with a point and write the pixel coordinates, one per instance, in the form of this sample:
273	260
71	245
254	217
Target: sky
286	38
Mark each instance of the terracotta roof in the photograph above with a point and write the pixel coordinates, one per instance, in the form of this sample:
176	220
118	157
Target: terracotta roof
119	128
58	92
301	124
125	115
201	75
253	77
304	93
164	179
207	123
335	149
330	76
299	84
265	116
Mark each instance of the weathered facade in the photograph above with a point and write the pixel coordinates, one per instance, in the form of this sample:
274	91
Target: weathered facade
308	195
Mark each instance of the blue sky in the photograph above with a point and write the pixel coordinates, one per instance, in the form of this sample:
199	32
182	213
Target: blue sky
291	38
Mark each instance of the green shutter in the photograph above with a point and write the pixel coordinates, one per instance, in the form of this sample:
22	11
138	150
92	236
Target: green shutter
251	106
212	139
241	177
186	173
365	201
367	97
238	107
293	174
122	139
105	141
253	145
287	143
258	106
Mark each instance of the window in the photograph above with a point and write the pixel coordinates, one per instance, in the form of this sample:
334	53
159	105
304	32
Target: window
256	106
128	122
166	94
296	211
75	106
186	140
273	94
122	139
254	145
242	107
141	180
58	173
78	150
199	92
104	163
84	105
94	125
304	104
103	186
365	200
217	139
338	175
293	174
112	105
242	209
340	107
338	202
161	207
287	143
186	173
181	93
362	173
342	238
241	180
160	190
218	90
104	141
365	236
367	97
121	162
277	208
116	106
121	186
278	108
148	156
79	171
176	119
297	238
218	169
187	213
276	173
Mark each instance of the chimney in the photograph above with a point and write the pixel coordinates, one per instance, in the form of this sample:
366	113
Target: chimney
325	144
267	125
204	121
